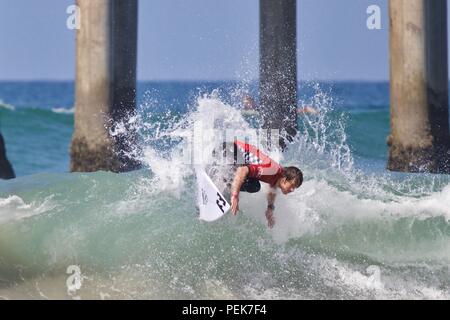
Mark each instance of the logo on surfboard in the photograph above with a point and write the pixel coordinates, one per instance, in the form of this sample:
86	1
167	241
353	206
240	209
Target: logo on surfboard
205	197
221	202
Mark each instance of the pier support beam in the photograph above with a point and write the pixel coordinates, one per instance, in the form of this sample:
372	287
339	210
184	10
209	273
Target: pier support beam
105	85
278	66
6	169
419	139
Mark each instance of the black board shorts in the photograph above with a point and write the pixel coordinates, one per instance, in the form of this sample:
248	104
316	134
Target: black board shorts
251	185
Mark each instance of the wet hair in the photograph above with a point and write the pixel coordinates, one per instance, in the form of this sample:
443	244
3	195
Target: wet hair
293	173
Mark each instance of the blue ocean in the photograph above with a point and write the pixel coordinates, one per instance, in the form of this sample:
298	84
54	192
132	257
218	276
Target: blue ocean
352	231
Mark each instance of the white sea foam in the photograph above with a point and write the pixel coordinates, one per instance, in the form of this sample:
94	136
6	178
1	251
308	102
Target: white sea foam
318	206
13	208
7	106
64	110
319	202
375	282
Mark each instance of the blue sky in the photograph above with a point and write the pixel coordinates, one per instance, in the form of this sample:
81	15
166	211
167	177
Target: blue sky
200	40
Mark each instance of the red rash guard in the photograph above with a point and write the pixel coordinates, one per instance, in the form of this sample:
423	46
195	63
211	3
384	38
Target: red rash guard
260	166
266	173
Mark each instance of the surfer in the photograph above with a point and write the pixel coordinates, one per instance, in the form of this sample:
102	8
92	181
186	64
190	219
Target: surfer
247	179
249	105
307	109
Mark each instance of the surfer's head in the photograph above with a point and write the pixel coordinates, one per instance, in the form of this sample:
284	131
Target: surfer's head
292	179
248	102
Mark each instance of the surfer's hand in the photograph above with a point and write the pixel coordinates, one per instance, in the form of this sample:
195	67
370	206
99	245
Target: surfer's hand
234	204
270	218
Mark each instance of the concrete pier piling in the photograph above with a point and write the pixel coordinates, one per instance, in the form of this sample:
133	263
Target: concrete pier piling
278	66
105	85
419	139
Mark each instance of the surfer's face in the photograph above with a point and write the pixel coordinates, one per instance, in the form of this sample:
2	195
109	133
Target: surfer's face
287	186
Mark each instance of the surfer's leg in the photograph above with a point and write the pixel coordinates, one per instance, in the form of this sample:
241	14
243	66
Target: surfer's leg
251	185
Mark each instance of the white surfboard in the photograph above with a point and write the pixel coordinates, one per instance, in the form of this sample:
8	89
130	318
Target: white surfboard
212	204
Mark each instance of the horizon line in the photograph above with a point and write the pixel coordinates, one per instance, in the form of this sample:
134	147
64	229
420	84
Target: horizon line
202	80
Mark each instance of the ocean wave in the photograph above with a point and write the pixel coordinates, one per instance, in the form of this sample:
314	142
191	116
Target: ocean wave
343	234
7	106
324	239
64	110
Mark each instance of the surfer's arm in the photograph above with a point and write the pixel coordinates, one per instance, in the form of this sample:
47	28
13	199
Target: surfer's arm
239	177
271	195
270	207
